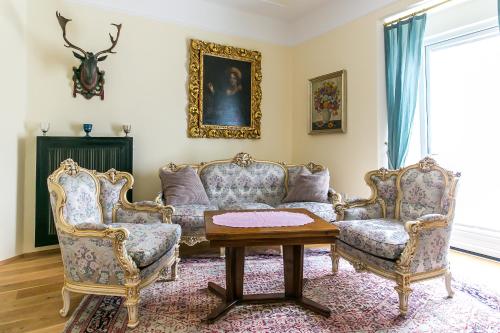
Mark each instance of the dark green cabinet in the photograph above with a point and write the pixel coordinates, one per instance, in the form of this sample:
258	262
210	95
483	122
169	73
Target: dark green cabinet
95	153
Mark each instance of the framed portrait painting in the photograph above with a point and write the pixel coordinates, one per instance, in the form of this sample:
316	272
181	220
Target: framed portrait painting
328	102
224	91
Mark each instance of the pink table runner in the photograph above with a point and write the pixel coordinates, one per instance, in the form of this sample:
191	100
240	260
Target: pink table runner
261	219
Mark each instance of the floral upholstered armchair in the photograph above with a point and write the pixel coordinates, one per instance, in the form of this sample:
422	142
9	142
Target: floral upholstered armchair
402	232
109	246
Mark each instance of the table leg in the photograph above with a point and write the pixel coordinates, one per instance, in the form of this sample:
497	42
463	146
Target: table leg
233	293
293	263
293	260
217	290
235	264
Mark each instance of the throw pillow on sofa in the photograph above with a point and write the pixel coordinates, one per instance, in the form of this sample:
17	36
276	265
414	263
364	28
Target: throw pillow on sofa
309	186
183	187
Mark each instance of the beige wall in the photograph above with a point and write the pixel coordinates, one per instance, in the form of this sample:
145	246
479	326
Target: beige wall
12	110
145	86
358	48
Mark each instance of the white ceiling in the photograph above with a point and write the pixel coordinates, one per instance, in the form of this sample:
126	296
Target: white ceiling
286	10
284	22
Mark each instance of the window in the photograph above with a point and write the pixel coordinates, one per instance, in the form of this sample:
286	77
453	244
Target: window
458	123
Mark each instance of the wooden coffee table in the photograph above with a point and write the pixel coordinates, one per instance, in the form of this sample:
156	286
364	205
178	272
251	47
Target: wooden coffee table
291	238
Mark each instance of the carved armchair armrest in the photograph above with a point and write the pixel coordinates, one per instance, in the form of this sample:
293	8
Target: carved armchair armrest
142	212
91	226
159	198
360	209
334	197
428	244
432	221
96	253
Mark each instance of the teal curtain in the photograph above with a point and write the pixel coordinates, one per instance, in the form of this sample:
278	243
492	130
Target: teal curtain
403	54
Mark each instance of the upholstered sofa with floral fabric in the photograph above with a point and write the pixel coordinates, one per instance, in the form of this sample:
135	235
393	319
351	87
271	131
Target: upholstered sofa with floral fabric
109	246
243	183
402	231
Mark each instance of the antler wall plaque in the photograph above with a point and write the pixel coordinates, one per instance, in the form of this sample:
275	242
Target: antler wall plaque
88	79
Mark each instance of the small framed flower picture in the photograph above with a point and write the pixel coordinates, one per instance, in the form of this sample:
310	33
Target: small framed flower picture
327	112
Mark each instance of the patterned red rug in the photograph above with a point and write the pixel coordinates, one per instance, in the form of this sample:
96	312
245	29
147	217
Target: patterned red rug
359	302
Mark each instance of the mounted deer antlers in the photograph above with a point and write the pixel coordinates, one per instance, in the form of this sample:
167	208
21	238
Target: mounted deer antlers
113	40
88	80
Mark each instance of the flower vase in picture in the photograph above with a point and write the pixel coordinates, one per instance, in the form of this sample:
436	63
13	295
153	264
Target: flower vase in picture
326	114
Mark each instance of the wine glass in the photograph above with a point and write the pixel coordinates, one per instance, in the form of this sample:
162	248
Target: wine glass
44	127
87	128
127	129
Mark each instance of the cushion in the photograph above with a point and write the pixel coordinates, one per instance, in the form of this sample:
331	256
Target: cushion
146	272
387	190
81	198
110	194
388	265
293	172
310	187
148	242
421	193
246	205
228	183
182	187
384	238
323	210
190	218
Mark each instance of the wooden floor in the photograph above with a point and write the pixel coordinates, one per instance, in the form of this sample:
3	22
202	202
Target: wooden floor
30	290
30	295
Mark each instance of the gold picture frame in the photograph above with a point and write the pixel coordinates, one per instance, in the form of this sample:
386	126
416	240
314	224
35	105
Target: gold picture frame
224	91
328	103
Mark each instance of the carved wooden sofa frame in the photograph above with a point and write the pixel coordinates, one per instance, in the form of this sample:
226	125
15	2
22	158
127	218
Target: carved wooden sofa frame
242	160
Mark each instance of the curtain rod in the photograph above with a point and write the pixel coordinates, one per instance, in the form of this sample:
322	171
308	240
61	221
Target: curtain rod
416	13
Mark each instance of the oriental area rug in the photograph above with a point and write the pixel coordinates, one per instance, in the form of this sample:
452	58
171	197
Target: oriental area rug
360	302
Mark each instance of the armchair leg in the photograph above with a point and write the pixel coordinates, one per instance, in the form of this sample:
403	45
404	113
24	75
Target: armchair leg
66	302
175	266
404	291
132	304
447	281
335	259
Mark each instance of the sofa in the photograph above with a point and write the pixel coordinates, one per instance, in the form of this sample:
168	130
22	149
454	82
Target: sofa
402	232
243	183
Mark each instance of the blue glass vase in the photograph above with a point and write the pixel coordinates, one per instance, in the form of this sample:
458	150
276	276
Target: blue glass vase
87	128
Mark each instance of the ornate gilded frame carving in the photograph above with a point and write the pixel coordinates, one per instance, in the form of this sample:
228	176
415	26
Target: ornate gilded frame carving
196	128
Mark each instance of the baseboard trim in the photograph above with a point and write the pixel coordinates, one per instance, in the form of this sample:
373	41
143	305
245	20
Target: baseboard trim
475	254
29	255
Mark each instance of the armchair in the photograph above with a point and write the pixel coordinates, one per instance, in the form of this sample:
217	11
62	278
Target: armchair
109	246
402	231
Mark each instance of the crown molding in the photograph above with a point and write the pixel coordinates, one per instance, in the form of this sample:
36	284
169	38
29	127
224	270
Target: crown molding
212	17
331	16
